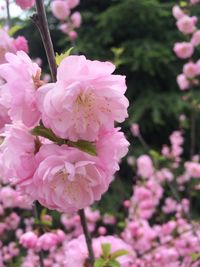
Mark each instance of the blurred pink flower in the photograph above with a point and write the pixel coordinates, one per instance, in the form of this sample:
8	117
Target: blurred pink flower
60	9
76	19
183	50
183	82
186	24
25	4
145	166
21	44
177	12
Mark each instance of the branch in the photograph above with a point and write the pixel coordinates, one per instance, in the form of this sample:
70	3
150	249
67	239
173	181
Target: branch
87	236
40	20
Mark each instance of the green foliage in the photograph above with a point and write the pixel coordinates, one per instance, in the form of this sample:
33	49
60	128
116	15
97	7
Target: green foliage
109	259
60	57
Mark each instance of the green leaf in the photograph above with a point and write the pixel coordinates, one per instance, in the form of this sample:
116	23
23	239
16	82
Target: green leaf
113	263
195	256
118	253
47	133
99	262
14	29
183	4
60	57
106	249
84	146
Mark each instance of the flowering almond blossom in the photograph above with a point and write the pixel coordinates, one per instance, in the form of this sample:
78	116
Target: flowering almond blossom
85	97
18	92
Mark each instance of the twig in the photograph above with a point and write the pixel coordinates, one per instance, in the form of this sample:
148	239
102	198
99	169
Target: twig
8	13
87	236
36	215
40	20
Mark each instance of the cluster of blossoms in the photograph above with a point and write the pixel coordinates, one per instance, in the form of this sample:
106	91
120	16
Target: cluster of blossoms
80	108
184	50
9	44
69	21
158	227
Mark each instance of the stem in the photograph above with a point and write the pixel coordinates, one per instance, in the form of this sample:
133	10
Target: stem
192	136
87	236
8	13
40	20
36	215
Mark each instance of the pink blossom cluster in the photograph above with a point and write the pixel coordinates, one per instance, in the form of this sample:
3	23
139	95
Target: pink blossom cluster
25	4
61	9
82	106
9	44
184	50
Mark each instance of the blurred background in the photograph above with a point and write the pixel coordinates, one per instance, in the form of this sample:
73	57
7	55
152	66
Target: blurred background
138	37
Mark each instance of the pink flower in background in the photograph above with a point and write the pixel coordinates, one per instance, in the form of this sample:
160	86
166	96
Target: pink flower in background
73	35
183	82
21	44
193	2
76	19
60	9
25	4
86	97
47	241
145	166
73	3
18	93
135	129
193	169
28	240
183	50
67	179
6	45
177	12
191	70
76	252
186	24
196	38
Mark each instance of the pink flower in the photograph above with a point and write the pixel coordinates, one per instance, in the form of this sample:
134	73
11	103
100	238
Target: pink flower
76	252
135	129
67	179
86	97
47	241
183	82
183	50
186	24
145	166
177	12
6	45
18	94
193	169
21	44
73	35
17	156
73	3
196	38
111	147
76	19
28	240
191	70
193	2
60	9
25	4
176	138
